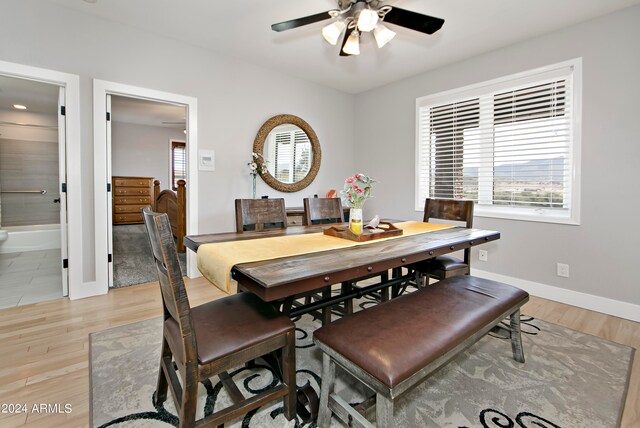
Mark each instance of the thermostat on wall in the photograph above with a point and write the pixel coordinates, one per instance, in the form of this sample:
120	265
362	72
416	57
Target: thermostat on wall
206	160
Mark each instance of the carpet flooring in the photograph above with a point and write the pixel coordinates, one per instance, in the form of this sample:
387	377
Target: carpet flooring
132	262
569	379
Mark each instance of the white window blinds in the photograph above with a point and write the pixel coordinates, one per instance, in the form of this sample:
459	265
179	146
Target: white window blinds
178	163
509	145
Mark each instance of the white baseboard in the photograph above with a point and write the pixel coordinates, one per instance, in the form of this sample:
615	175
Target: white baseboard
575	298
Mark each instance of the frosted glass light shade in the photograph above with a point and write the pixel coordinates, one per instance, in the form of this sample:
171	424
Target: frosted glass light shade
383	35
352	46
332	32
367	20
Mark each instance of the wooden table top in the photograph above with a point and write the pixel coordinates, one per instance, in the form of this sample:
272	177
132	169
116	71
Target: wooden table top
280	278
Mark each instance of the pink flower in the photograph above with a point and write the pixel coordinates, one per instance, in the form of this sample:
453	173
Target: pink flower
358	176
349	180
360	191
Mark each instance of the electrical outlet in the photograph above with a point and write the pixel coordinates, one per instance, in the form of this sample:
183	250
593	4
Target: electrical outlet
483	255
562	270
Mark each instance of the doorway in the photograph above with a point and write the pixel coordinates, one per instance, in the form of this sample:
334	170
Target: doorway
147	151
103	91
33	205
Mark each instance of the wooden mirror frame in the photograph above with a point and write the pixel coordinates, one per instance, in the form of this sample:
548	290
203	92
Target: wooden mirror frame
258	147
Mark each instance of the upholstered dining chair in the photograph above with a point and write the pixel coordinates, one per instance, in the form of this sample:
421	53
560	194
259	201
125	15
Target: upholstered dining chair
459	211
207	340
260	214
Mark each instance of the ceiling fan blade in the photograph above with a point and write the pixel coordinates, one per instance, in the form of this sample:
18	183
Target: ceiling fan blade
347	33
288	25
413	20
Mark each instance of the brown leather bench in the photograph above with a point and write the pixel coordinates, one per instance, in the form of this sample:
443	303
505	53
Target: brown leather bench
394	346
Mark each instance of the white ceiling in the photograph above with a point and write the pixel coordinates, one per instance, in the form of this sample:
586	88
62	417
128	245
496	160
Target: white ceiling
143	112
241	29
38	97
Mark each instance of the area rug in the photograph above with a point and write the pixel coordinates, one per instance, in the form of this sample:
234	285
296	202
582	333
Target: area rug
132	261
569	379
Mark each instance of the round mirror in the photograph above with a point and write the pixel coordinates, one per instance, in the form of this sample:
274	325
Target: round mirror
292	151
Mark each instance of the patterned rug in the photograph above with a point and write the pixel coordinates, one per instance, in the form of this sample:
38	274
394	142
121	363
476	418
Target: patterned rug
569	379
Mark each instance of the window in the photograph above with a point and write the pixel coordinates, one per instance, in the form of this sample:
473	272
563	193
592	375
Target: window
512	145
292	154
178	163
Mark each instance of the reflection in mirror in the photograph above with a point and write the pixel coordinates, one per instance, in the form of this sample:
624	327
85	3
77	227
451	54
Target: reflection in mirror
292	150
288	152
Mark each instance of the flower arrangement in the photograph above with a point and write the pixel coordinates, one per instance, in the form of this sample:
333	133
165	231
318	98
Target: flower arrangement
356	190
257	166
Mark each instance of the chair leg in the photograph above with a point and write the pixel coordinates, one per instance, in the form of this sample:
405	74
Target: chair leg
516	337
160	395
328	375
187	413
289	376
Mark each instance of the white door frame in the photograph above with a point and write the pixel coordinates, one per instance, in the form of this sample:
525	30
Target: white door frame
101	89
71	84
62	178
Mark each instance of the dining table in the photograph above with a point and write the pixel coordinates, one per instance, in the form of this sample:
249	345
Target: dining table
286	278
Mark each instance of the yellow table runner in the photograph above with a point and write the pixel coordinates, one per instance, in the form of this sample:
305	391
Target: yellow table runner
216	260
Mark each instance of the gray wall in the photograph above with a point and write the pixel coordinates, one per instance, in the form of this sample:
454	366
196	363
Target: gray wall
234	100
29	165
142	150
29	161
601	251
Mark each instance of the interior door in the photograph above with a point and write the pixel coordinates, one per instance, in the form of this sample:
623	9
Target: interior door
62	183
109	194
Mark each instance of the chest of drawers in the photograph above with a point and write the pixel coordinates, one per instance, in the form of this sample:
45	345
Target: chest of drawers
130	195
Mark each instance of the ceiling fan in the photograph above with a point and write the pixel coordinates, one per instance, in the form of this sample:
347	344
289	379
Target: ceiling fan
362	16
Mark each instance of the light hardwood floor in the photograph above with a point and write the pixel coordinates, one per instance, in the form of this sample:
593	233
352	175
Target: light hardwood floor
44	347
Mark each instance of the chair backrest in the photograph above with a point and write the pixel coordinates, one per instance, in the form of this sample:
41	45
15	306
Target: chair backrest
260	214
446	209
322	210
174	295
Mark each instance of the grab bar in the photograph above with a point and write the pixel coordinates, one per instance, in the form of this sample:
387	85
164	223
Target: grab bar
42	192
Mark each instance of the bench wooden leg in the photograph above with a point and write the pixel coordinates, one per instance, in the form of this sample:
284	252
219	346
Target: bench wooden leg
384	411
328	375
516	337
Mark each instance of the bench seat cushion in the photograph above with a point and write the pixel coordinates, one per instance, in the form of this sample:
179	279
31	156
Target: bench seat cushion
396	339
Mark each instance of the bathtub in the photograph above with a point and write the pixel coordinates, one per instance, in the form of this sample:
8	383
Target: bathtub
31	238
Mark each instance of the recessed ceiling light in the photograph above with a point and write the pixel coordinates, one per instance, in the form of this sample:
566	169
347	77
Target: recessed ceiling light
19	107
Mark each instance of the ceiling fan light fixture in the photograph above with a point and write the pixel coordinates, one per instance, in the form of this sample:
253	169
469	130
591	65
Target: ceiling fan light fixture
331	32
367	19
383	35
352	46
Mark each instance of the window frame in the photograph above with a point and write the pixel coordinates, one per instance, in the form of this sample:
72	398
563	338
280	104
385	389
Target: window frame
481	89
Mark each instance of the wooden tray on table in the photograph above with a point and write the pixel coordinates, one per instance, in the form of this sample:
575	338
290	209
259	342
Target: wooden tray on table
384	230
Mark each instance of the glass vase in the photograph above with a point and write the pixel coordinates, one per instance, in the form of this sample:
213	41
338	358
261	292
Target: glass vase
355	220
254	186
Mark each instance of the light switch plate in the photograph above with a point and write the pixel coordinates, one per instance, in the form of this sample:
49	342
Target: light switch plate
206	160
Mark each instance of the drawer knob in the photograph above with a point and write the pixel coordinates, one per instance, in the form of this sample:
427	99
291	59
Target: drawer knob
326	279
431	253
453	247
403	260
369	268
